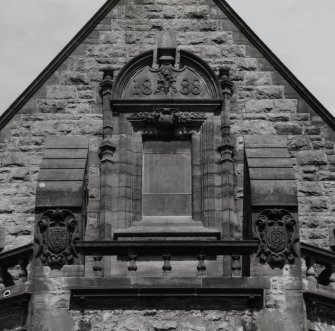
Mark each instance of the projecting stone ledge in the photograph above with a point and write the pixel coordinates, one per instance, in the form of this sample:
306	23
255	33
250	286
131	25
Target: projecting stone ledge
172	227
180	292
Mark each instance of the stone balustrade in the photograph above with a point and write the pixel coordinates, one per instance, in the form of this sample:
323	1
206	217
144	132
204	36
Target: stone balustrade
315	259
21	257
168	249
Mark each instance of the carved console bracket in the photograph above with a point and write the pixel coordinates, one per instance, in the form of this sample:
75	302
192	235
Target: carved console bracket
61	200
57	233
167	123
276	231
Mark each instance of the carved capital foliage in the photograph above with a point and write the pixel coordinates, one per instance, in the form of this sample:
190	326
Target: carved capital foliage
56	234
277	232
167	123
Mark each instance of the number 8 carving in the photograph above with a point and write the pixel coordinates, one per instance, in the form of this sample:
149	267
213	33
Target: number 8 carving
146	88
196	87
188	88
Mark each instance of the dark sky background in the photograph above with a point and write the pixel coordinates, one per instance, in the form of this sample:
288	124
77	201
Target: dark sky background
299	32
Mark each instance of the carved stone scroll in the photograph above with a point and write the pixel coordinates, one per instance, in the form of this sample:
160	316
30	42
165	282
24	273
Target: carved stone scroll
277	232
167	123
57	232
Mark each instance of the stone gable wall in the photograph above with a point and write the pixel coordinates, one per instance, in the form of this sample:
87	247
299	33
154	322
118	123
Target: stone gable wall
69	104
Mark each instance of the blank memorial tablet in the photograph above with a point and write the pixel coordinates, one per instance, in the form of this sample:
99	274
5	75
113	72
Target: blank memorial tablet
167	185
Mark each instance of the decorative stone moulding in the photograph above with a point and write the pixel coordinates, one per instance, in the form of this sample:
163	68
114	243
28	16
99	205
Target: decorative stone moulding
168	78
167	123
56	235
276	231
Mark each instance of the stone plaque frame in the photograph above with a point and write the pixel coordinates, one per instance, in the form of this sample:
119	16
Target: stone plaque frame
185	101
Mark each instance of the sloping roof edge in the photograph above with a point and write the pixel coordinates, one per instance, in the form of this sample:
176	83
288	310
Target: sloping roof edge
231	14
55	63
316	105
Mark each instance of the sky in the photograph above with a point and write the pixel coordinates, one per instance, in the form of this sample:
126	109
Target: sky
299	32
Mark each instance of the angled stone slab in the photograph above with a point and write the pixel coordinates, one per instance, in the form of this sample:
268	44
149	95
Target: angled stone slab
59	194
271	173
66	142
61	175
63	164
61	178
65	153
267	152
273	192
269	163
257	141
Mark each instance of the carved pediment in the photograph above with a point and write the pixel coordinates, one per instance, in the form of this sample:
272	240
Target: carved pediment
166	82
166	78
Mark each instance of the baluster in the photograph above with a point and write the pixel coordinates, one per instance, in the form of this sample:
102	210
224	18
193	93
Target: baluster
310	273
97	267
236	266
167	265
132	267
23	273
2	278
332	277
201	267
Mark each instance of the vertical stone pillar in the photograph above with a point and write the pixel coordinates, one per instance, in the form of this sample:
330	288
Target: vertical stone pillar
226	150
107	150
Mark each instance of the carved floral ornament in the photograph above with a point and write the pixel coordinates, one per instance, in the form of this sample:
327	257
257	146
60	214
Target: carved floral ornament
56	234
167	122
277	232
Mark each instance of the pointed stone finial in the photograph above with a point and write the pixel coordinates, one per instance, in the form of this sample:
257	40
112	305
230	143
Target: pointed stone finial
224	72
108	72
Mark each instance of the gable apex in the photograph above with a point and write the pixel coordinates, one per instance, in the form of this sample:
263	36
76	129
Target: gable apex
231	14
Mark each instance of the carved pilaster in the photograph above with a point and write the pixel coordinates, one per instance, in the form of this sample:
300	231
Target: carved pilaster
56	234
107	150
226	149
105	92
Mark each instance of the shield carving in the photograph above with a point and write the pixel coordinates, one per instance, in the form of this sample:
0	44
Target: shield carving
276	231
57	239
276	237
